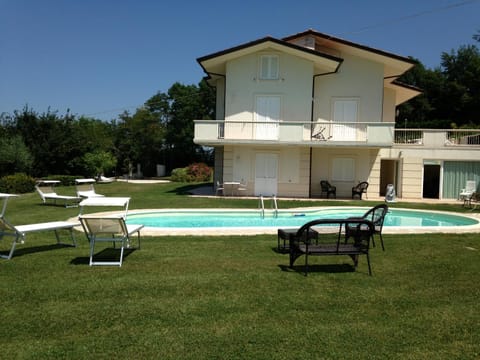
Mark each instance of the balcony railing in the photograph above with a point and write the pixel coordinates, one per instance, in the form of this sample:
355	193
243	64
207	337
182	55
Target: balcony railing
371	134
437	137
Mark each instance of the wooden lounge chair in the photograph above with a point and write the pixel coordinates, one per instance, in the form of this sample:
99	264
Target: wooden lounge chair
360	189
109	229
328	189
46	192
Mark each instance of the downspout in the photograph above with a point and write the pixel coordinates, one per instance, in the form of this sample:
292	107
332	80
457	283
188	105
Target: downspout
311	121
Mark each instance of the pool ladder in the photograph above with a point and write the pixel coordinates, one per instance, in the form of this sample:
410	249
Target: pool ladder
261	206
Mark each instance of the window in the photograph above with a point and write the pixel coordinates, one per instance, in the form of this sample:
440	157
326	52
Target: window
269	67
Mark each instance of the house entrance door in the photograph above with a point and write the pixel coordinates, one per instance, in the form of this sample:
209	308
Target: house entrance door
266	174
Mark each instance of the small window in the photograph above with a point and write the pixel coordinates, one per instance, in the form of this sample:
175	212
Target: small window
269	67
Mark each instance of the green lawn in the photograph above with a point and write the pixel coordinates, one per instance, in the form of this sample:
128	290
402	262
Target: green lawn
234	297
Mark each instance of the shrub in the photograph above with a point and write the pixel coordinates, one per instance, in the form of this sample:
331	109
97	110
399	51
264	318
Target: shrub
199	172
19	183
193	173
65	180
180	175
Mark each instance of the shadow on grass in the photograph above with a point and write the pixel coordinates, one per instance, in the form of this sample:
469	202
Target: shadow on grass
108	254
320	268
187	189
35	249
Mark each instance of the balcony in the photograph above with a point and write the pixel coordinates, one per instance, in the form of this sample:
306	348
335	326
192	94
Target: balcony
437	138
368	134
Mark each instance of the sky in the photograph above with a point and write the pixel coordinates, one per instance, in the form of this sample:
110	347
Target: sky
99	58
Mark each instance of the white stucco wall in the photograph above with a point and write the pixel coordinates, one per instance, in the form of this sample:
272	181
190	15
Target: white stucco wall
294	86
356	78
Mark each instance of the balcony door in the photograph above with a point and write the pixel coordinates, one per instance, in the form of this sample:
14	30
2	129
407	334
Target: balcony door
266	169
267	116
344	111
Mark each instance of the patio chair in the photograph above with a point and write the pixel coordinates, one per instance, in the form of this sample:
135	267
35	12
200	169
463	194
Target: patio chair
377	216
328	189
109	229
360	189
46	192
466	194
219	189
19	232
85	188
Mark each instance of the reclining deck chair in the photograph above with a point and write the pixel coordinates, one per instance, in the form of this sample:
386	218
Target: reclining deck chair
18	233
85	188
109	229
46	192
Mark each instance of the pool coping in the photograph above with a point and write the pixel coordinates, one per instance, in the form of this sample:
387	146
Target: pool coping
248	231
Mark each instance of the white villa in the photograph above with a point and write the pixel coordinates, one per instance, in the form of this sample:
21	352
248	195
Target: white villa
310	107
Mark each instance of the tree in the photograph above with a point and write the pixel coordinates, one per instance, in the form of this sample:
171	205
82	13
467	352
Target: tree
14	155
99	162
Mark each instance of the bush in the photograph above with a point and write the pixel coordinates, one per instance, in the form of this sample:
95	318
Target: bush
193	173
19	183
199	172
180	175
65	180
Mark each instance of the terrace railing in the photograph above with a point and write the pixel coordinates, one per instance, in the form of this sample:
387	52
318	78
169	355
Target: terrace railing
437	137
298	132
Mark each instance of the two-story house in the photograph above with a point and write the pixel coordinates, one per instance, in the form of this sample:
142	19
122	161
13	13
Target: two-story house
310	107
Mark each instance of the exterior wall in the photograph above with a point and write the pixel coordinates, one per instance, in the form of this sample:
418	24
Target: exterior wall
357	78
294	86
322	169
292	173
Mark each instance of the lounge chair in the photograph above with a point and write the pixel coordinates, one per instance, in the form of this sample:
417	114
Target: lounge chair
328	189
19	232
85	188
109	229
377	216
360	189
105	180
46	192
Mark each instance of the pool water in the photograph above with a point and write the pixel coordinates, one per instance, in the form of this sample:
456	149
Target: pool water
253	218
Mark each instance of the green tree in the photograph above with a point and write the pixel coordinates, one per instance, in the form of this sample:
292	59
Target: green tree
14	155
98	162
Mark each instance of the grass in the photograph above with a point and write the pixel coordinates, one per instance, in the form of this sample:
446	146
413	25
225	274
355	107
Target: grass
233	297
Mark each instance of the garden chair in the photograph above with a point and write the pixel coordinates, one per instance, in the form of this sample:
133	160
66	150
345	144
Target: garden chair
109	229
377	216
85	188
219	189
328	189
360	189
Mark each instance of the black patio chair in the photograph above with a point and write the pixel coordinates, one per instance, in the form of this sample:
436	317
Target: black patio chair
377	216
328	189
360	189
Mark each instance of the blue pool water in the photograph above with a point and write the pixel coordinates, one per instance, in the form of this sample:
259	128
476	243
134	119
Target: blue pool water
229	218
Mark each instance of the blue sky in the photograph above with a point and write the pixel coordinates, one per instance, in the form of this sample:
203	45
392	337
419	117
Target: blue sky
101	57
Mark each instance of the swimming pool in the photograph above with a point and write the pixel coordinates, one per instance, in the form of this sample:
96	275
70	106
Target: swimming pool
222	219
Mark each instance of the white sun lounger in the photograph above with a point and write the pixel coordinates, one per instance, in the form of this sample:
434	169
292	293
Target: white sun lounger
85	188
46	192
19	232
109	229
